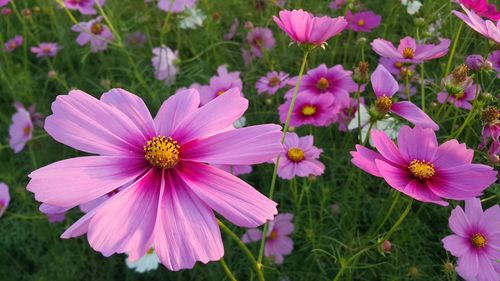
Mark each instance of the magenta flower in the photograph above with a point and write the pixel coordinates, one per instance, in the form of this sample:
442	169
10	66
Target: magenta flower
486	28
21	129
408	50
304	28
232	30
176	6
300	158
85	7
45	50
278	243
482	8
170	192
421	169
309	109
476	241
164	62
4	2
236	170
385	86
365	21
395	67
4	198
272	82
474	62
95	33
459	95
260	39
219	84
491	131
12	44
337	4
494	58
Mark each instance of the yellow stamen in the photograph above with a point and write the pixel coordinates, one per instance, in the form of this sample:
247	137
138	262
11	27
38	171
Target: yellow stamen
408	53
478	240
274	81
309	110
383	103
323	84
150	251
361	22
96	28
295	154
398	64
422	169
220	92
459	95
162	152
26	130
273	235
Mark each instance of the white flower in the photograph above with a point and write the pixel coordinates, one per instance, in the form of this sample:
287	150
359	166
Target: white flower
240	123
388	125
435	27
412	6
164	62
193	18
149	261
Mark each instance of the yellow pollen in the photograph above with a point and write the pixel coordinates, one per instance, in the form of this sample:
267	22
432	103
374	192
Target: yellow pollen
46	50
26	130
408	53
273	235
295	154
220	92
383	103
361	22
96	28
478	240
459	95
398	64
150	251
13	45
422	169
323	84
309	110
162	152
258	41
274	81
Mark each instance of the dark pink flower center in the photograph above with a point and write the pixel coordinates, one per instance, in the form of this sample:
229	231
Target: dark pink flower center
162	152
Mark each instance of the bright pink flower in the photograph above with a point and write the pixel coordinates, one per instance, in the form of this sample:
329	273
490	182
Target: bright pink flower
170	192
304	28
236	170
482	8
85	7
494	58
385	86
260	39
409	51
176	6
459	95
310	109
278	243
4	2
272	82
232	30
486	28
45	49
476	241
21	129
6	11
95	33
12	44
219	84
4	198
422	169
491	131
164	62
365	21
300	158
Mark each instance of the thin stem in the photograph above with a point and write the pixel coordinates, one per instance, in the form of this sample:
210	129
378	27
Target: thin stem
453	48
358	99
398	222
407	86
367	137
345	264
388	214
228	272
422	86
469	116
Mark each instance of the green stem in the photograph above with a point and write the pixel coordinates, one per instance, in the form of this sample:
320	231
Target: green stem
367	137
387	215
453	48
345	264
358	98
407	86
228	272
398	222
422	86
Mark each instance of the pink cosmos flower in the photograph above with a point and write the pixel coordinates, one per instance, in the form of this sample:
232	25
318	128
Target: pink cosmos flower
408	50
54	213
170	192
12	44
45	49
365	21
165	64
85	7
482	8
395	67
494	58
385	86
304	28
459	95
278	243
337	4
236	170
21	129
176	6
486	28
310	109
4	198
272	82
260	39
219	84
232	30
95	33
300	158
491	131
422	169
476	241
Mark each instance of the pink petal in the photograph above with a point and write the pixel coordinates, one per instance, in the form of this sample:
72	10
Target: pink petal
414	114
387	148
429	52
456	245
287	169
473	210
452	153
383	82
459	223
309	168
80	227
364	159
394	176
407	42
252	235
417	143
175	109
385	49
469	264
419	190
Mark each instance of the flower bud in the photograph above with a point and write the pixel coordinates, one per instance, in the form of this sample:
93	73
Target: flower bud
413	272
52	74
490	115
6	11
248	25
361	41
474	62
419	22
361	75
386	246
27	12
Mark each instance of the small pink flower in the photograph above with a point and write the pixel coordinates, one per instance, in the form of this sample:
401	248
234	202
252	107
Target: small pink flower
408	50
304	28
12	44
491	131
476	241
232	30
95	33
260	39
482	8
6	11
164	62
176	6
310	109
486	28
385	86
459	95
278	243
300	158
137	39
365	21
45	49
347	113
4	2
219	84
422	169
272	82
494	58
4	198
85	7
21	129
337	4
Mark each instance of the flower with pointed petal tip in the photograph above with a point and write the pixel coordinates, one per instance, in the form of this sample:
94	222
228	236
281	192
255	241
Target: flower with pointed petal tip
486	28
300	158
309	109
408	50
4	198
94	33
260	39
365	21
422	169
21	129
272	82
45	49
482	8
85	7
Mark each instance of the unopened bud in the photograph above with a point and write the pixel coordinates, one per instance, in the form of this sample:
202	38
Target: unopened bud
386	246
248	25
474	62
52	74
448	267
361	41
27	12
361	73
419	22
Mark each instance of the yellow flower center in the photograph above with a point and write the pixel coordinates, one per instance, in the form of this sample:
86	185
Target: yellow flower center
46	50
96	28
361	22
150	251
309	110
398	64
13	45
26	130
220	92
323	84
295	154
162	152
273	235
460	95
478	240
274	81
383	103
422	169
408	53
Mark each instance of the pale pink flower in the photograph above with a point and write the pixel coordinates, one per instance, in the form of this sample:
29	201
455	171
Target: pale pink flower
219	84
176	6
408	50
21	129
260	39
165	64
4	198
45	49
94	33
300	157
14	43
272	82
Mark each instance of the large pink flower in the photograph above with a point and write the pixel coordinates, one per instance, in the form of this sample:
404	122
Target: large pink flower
422	169
300	157
409	51
482	8
169	192
304	28
486	28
